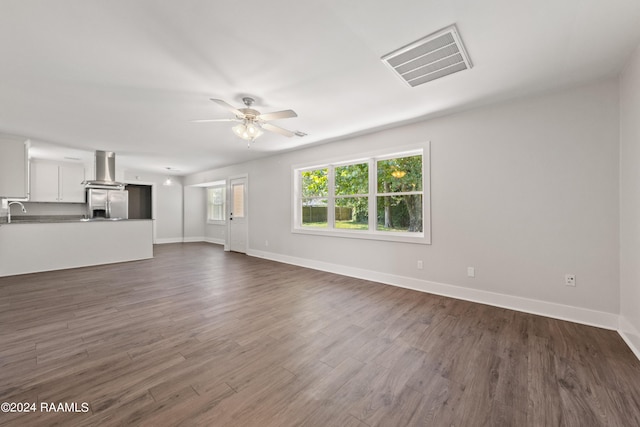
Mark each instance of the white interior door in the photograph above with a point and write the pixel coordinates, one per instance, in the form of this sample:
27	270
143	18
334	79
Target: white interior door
238	218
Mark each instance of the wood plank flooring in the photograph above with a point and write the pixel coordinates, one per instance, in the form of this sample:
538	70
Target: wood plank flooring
197	336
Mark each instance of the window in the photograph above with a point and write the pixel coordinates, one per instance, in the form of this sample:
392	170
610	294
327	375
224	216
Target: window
216	205
377	198
399	195
351	196
237	191
314	197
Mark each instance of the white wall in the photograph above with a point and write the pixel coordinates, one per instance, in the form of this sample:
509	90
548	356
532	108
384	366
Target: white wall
524	192
195	214
169	204
630	202
215	233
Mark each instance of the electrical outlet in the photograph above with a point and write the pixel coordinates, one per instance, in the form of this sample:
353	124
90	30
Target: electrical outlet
420	265
570	279
266	243
471	272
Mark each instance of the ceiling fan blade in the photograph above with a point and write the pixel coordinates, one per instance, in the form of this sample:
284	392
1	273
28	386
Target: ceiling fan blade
228	106
284	114
277	129
214	120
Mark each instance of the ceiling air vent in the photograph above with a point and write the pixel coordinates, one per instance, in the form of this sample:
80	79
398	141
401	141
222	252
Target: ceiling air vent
434	56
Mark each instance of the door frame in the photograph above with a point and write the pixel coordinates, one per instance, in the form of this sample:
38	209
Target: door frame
227	240
153	201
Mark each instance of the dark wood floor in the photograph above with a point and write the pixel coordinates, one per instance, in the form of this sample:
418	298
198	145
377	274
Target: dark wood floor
197	336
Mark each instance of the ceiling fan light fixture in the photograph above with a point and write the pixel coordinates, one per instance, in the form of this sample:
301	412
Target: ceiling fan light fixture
248	130
251	123
254	130
239	129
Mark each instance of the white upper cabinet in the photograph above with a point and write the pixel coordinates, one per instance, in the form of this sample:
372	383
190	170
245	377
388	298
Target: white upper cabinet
14	176
44	182
71	187
57	182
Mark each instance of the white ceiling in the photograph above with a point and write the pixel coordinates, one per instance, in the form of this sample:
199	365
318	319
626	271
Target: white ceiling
129	76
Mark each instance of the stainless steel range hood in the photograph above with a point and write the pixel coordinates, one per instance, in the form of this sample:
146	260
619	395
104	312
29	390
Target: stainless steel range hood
105	167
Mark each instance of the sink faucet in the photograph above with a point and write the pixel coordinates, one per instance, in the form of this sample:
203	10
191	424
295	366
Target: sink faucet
24	210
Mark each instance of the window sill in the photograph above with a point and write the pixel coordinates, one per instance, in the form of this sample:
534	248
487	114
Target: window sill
213	222
415	238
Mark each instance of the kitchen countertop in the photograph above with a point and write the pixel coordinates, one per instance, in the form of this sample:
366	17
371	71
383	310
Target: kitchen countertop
48	219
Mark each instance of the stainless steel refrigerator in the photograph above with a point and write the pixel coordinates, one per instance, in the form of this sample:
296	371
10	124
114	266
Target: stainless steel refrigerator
108	204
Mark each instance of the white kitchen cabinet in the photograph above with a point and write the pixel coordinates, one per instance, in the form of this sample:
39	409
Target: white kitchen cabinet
71	187
57	182
44	182
14	175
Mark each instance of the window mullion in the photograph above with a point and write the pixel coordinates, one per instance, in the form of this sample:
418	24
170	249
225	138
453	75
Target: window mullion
331	199
350	196
373	213
401	193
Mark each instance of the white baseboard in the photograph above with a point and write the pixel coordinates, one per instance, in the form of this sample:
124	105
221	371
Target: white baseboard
189	240
168	240
549	309
630	335
214	240
193	239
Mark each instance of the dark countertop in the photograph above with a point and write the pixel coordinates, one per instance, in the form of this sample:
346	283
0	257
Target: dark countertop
48	219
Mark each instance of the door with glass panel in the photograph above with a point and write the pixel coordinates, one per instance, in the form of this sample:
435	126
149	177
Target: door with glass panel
238	218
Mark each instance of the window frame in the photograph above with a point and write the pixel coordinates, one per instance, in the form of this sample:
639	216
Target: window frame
222	187
372	233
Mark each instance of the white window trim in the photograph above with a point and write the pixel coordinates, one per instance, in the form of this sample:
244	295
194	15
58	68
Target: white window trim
224	205
372	233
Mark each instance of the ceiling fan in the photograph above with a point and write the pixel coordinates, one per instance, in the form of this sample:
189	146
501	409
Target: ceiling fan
251	122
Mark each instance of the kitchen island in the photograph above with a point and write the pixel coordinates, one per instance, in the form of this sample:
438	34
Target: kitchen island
35	246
